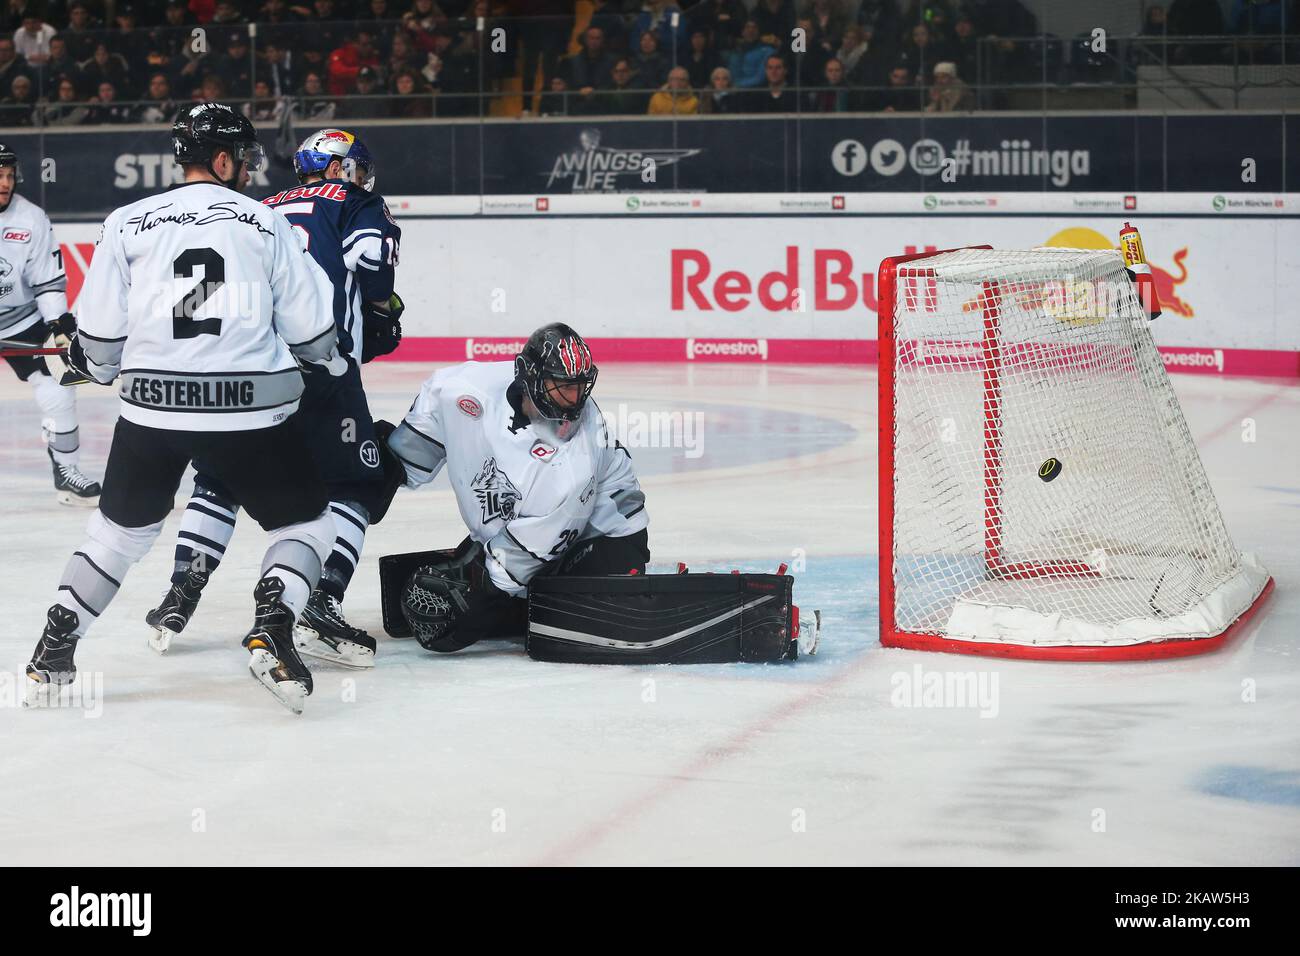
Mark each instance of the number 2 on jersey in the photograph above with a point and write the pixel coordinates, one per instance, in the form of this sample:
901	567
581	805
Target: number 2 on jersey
184	325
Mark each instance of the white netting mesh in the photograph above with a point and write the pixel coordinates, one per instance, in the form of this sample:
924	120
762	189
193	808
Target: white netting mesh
1006	359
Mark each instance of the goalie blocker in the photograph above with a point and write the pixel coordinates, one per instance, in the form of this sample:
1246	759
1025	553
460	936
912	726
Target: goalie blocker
626	619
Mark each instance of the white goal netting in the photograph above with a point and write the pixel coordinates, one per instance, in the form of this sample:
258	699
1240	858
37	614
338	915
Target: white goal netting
1005	360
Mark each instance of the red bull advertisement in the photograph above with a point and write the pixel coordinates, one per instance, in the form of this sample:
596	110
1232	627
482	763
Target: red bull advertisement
723	284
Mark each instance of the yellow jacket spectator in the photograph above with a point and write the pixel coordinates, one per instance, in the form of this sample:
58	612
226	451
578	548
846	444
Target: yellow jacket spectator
676	98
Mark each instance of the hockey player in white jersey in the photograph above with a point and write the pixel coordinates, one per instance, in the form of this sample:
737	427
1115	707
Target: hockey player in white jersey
540	484
200	302
34	306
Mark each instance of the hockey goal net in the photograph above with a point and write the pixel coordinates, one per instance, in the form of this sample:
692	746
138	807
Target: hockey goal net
1040	492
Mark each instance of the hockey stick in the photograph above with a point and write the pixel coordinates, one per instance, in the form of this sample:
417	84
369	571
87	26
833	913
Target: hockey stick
14	348
21	352
17	348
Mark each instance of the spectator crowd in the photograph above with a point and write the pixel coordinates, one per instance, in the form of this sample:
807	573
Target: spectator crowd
68	62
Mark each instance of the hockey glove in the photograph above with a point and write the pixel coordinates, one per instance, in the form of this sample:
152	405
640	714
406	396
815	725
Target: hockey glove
432	605
394	473
77	371
381	327
61	330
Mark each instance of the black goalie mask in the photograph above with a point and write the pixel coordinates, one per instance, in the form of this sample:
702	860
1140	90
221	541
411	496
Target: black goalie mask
553	361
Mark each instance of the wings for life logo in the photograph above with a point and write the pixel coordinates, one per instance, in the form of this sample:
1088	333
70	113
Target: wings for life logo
593	168
497	496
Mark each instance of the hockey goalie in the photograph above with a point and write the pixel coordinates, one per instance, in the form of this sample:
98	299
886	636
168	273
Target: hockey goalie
540	485
557	546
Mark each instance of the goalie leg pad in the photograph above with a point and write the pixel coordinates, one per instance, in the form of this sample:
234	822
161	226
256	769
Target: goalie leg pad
662	619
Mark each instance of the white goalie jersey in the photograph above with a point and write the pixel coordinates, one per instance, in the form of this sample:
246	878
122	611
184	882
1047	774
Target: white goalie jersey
525	492
201	299
32	284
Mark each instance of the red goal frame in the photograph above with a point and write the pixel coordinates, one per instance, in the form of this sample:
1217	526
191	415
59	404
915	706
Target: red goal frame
890	635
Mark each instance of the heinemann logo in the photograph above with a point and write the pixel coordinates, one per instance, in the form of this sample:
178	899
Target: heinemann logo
102	909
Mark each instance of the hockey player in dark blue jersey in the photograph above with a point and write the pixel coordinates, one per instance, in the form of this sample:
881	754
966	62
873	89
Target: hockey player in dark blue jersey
348	230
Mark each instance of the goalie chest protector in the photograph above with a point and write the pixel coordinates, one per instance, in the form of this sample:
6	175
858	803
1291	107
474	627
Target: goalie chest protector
662	619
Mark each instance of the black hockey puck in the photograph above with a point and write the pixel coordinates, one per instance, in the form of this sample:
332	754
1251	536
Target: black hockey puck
1049	469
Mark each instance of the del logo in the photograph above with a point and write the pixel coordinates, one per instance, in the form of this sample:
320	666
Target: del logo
542	451
76	908
469	406
497	496
18	235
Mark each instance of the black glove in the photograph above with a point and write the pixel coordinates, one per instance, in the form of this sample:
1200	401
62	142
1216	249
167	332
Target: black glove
78	372
452	604
433	604
381	330
394	473
62	329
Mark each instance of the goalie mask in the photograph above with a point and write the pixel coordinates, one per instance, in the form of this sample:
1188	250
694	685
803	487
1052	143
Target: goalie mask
556	372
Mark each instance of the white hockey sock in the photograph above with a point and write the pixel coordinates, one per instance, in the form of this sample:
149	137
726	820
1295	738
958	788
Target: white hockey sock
206	529
350	523
58	406
296	556
95	571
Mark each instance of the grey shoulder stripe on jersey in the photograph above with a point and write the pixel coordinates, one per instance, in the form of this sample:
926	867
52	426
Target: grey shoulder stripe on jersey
317	348
629	501
103	352
421	454
51	285
428	438
99	338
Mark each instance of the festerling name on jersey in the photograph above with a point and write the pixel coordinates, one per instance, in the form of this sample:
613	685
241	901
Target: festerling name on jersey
171	392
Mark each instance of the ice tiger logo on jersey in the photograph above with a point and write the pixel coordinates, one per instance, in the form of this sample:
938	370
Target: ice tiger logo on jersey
6	269
497	496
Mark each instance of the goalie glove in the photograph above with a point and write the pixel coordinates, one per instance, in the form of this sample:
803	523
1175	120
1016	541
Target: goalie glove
439	597
381	331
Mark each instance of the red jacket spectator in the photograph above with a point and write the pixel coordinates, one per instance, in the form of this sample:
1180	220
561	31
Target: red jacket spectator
346	62
203	9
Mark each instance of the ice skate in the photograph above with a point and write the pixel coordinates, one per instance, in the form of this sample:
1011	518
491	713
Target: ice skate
275	662
175	610
322	633
52	667
73	487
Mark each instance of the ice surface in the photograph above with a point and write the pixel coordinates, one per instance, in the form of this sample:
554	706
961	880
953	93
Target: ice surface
487	757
